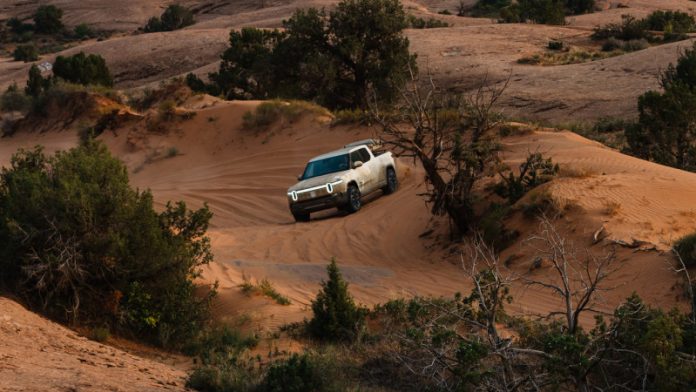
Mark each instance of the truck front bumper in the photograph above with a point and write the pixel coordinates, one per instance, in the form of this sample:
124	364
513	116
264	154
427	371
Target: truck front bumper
319	203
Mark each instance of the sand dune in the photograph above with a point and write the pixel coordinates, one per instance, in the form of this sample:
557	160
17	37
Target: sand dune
243	177
392	247
39	355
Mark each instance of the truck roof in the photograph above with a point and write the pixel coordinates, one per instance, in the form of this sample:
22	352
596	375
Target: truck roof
341	151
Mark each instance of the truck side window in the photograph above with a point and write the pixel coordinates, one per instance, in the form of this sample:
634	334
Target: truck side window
354	157
364	155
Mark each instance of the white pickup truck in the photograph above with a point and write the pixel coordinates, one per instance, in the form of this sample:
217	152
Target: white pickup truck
340	178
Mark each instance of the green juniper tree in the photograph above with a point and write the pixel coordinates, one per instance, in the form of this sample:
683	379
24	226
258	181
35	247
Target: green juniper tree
336	317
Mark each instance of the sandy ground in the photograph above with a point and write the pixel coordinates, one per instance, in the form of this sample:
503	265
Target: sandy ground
39	355
392	247
458	56
383	250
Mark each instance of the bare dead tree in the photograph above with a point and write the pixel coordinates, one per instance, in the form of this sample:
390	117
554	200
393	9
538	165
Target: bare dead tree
57	269
578	281
472	322
681	269
449	135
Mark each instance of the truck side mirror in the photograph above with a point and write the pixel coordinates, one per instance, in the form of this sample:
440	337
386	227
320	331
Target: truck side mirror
357	164
299	178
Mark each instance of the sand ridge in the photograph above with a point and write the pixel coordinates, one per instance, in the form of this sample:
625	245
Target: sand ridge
38	355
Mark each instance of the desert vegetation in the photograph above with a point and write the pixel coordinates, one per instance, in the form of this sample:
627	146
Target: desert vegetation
664	133
263	287
275	111
551	12
335	59
470	342
71	75
85	247
46	33
83	69
658	27
175	17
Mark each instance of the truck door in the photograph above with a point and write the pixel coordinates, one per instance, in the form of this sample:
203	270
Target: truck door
365	173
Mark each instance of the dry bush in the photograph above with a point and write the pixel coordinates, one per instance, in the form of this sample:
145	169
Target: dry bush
263	287
611	208
451	136
576	172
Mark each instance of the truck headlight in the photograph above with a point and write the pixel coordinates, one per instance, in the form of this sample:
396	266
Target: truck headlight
330	185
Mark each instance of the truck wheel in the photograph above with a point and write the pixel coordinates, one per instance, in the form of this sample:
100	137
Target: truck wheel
354	202
392	182
301	216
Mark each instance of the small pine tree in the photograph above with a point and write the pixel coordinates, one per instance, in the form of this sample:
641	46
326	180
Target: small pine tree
336	317
47	19
14	100
36	83
26	53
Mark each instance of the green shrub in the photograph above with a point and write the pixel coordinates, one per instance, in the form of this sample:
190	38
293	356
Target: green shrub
612	44
550	12
219	353
265	288
268	113
555	45
685	247
629	28
674	25
336	317
420	23
670	21
665	130
298	373
83	69
36	84
635	44
218	339
83	31
351	116
18	27
579	7
100	334
14	100
493	230
329	59
26	53
76	235
485	8
199	86
175	17
172	152
534	171
166	110
540	204
47	19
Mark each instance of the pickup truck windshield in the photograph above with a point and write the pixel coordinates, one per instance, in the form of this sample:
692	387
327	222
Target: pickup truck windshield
326	166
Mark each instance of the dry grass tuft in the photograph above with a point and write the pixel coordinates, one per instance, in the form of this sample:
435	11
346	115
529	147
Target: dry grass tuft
576	172
611	208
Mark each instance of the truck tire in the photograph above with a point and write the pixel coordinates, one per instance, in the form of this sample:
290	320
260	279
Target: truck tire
392	182
301	216
354	202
